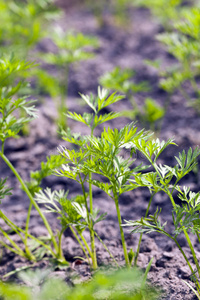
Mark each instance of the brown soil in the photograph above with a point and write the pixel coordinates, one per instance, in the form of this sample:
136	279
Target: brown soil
126	47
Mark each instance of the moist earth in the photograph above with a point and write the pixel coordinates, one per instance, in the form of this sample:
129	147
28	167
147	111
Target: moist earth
126	46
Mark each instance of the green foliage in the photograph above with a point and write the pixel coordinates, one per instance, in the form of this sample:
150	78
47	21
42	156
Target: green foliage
76	213
23	23
183	44
150	224
59	202
4	191
122	81
188	212
47	168
152	113
92	120
120	285
12	73
107	160
166	178
71	48
104	156
10	125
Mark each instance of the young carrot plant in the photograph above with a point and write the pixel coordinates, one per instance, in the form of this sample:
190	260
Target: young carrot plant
103	156
78	213
150	114
166	179
72	48
183	44
108	162
23	24
10	126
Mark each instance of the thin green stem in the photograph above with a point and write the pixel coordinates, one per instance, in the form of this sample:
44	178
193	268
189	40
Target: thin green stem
25	188
2	146
187	238
91	224
187	261
86	244
18	250
27	227
11	225
61	257
184	230
183	253
18	230
84	241
140	239
120	227
90	192
192	251
198	236
84	195
179	247
93	256
62	111
21	253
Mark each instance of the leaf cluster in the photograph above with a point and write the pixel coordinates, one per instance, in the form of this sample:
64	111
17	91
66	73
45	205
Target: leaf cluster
188	212
59	202
148	224
103	99
122	81
23	23
10	122
47	168
107	160
4	191
152	112
118	285
183	44
72	47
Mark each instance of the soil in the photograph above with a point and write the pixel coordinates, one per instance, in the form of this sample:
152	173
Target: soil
126	46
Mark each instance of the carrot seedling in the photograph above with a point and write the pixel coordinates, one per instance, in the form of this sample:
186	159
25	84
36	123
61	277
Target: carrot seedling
84	216
150	114
10	126
166	179
71	49
183	44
